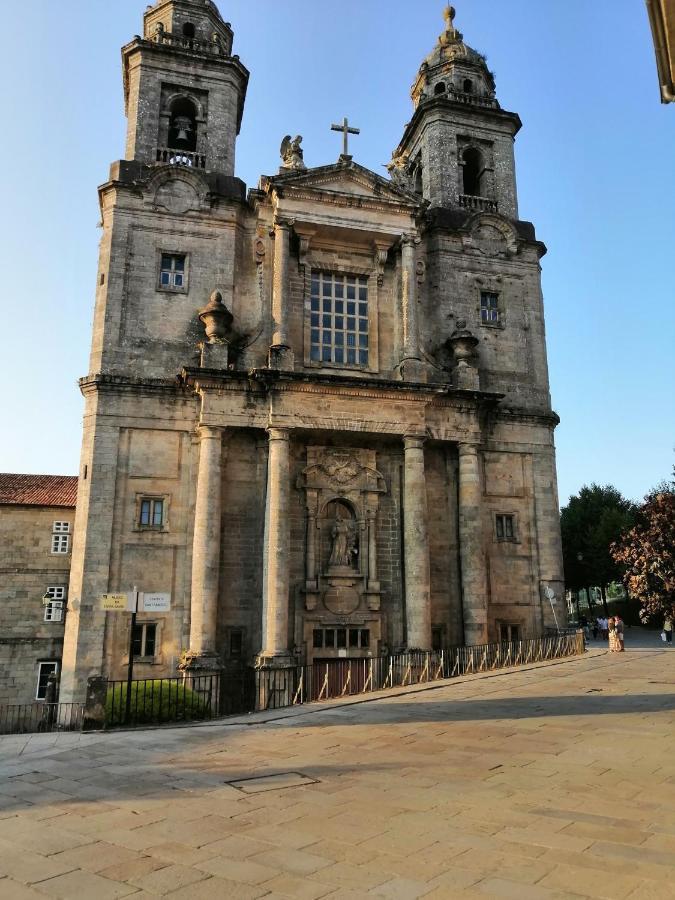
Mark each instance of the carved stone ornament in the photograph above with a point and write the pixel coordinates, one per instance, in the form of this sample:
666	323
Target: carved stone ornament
216	319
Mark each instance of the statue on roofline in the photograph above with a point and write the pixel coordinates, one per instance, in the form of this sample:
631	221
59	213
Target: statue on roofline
291	152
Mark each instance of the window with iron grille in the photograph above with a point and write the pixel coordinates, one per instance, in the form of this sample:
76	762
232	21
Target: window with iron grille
489	308
144	640
151	513
505	527
339	319
339	638
172	272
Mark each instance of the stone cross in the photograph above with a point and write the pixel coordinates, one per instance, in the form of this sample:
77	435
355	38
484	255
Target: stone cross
346	131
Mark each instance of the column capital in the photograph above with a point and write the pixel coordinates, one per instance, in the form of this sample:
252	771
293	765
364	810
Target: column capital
409	240
278	433
210	432
468	449
282	223
414	441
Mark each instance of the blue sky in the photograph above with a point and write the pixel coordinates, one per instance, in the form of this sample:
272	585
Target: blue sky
595	175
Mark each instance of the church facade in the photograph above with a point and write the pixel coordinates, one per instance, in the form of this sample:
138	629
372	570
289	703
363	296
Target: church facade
317	412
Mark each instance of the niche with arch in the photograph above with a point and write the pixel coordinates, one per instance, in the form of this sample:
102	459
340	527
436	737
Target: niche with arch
183	124
440	88
339	536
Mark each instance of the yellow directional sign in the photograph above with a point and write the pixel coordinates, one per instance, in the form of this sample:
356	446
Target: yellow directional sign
115	602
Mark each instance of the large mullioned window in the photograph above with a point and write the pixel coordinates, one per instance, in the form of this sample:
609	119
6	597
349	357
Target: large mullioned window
339	319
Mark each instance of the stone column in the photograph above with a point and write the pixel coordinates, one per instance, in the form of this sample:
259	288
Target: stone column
411	367
206	548
474	596
416	546
277	547
281	356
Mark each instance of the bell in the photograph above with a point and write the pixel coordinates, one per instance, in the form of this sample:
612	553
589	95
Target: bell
183	126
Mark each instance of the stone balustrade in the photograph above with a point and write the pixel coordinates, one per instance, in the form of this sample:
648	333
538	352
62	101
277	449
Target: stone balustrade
168	156
482	204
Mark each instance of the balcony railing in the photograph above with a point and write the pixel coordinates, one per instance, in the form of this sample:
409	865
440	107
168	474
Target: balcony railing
167	39
169	157
474	100
481	204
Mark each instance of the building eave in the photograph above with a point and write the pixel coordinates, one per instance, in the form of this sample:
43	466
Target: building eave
662	21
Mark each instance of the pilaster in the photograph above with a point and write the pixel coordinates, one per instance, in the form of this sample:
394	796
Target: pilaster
281	354
416	546
474	595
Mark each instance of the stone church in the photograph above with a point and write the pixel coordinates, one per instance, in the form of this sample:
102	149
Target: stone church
317	411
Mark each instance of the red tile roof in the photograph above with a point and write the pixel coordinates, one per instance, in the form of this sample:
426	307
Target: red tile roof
38	490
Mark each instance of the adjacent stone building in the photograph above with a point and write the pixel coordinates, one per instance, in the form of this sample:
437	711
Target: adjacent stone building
37	514
317	412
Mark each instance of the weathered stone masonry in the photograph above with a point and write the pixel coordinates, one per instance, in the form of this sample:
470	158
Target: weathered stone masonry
333	388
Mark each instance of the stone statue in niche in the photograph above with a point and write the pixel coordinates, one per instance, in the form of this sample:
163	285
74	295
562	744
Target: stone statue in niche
343	544
342	535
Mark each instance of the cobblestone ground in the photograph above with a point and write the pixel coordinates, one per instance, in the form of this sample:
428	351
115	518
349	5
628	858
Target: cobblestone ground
551	782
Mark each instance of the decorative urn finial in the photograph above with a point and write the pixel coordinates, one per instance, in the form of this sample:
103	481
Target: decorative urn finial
216	319
464	349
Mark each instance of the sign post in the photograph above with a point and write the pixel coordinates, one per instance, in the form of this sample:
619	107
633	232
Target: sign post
130	669
135	601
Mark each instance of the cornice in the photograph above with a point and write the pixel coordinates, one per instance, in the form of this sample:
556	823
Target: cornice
125	384
267	380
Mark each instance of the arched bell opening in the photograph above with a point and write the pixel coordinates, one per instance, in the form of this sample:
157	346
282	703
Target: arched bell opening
440	88
183	125
473	172
188	30
468	86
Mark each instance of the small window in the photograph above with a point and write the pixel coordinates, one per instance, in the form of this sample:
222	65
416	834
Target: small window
172	272
61	528
509	632
144	639
440	88
60	543
151	513
437	637
236	644
505	528
45	669
489	308
54	599
188	30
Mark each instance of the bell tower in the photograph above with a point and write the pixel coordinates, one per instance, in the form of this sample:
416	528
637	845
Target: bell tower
184	92
457	150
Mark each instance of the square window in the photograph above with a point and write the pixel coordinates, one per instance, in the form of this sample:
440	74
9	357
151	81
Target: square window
144	639
54	611
172	271
151	512
61	527
505	527
60	543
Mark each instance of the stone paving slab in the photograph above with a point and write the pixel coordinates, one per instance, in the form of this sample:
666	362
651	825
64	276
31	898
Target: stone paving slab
548	782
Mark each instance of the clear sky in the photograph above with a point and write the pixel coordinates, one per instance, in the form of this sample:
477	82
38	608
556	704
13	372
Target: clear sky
595	175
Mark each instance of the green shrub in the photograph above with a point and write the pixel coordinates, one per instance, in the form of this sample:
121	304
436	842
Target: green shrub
153	702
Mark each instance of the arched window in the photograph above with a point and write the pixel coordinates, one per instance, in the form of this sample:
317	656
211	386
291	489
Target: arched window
440	88
468	86
419	186
188	30
183	125
473	172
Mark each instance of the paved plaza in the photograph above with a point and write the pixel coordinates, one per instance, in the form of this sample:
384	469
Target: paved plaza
553	781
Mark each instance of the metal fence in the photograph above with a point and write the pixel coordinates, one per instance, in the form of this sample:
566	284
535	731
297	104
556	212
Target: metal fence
190	698
278	688
25	718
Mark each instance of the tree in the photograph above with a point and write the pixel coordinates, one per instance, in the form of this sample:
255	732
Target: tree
590	523
647	554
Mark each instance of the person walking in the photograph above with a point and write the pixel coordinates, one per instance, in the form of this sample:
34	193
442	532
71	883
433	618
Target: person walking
611	632
618	634
668	628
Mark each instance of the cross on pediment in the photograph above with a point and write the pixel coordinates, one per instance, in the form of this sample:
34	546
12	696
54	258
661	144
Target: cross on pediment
346	131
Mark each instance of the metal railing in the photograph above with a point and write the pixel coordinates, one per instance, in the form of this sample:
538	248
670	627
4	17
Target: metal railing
278	688
27	718
170	157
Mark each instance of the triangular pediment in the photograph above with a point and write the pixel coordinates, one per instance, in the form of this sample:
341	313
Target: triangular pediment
346	179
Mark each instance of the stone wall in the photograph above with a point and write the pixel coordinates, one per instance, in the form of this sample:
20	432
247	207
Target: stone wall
27	569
